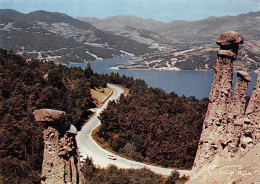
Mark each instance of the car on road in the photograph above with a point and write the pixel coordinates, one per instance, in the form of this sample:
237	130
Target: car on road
111	157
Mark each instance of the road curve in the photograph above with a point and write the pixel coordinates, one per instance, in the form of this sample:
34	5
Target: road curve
88	146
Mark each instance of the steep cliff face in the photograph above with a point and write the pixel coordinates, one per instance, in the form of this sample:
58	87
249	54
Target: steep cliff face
230	135
61	163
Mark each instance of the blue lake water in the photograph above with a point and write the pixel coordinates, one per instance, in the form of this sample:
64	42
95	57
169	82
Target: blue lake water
188	83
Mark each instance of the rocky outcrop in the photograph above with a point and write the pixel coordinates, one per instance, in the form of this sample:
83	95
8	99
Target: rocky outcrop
49	115
230	129
251	123
61	163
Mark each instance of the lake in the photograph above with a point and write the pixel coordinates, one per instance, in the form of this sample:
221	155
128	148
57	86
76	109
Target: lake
188	83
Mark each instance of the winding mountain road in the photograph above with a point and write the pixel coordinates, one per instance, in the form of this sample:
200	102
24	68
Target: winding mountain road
88	146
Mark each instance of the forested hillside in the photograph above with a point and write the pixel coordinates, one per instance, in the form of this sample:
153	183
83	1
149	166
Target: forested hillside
152	126
114	175
148	125
26	86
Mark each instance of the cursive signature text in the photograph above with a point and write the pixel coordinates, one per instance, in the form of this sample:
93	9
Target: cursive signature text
231	170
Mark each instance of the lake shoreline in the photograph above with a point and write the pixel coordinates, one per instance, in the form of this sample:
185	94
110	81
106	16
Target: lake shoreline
184	82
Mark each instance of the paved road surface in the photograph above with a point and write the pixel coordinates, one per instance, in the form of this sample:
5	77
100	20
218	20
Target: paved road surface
88	147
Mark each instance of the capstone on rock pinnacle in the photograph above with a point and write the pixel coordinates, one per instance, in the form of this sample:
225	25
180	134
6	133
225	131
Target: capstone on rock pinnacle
229	38
48	115
244	75
229	41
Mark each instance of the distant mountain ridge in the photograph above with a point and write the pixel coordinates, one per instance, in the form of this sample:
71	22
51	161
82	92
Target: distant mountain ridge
187	45
118	23
61	36
247	24
179	28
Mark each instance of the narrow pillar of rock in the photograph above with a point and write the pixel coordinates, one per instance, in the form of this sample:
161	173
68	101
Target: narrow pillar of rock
235	114
215	123
61	162
251	123
238	100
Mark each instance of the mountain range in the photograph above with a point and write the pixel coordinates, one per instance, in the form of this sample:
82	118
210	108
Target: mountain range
247	24
186	45
55	35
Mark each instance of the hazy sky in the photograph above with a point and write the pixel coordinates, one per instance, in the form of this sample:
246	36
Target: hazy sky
163	10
